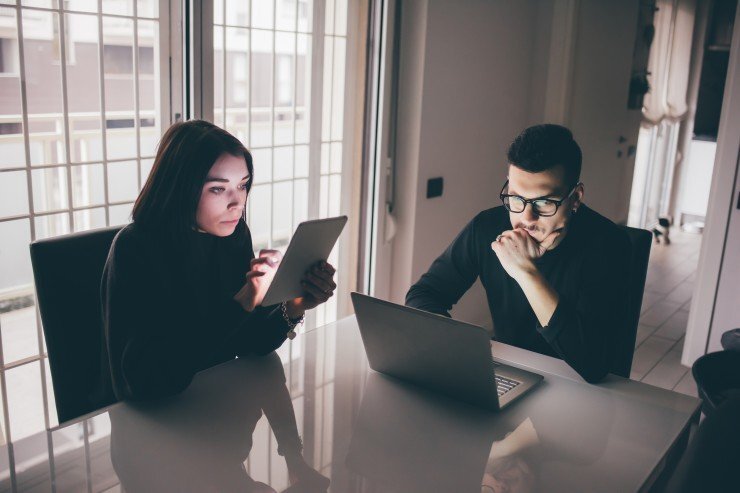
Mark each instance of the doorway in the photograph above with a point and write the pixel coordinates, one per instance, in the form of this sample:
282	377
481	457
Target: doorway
674	165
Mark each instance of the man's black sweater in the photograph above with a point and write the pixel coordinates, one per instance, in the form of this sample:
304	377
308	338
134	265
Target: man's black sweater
589	270
168	310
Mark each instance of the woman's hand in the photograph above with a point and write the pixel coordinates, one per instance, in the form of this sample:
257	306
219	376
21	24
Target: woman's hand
258	279
318	285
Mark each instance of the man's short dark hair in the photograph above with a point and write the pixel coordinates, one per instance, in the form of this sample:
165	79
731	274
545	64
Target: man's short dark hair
543	147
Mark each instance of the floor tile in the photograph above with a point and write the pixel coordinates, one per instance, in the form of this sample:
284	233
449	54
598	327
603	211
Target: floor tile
668	371
675	327
643	332
648	354
664	285
649	298
659	313
682	293
687	385
669	287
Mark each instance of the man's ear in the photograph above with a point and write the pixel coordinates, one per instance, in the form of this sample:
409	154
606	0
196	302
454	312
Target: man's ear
578	196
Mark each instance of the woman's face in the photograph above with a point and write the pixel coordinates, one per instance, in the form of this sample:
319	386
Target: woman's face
223	196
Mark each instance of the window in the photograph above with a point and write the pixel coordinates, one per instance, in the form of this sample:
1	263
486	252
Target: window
77	145
79	141
120	59
302	152
269	48
8	56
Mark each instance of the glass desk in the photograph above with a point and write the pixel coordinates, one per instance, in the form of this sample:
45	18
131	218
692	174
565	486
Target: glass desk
364	432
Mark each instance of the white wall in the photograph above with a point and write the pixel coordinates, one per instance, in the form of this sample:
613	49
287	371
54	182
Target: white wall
459	109
699	165
474	74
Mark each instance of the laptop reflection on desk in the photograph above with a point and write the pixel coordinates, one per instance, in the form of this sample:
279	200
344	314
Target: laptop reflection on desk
437	353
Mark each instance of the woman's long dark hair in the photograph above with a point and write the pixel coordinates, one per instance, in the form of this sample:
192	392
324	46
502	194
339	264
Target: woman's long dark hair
168	202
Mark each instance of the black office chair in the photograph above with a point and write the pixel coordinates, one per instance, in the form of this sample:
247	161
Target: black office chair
710	461
624	342
717	374
68	270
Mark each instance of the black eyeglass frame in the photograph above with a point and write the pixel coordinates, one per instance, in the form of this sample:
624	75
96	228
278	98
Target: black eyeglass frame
557	203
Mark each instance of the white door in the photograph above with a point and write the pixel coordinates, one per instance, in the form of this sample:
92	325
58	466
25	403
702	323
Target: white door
714	307
598	114
727	309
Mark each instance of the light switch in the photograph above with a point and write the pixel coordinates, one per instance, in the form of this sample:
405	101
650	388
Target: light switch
435	187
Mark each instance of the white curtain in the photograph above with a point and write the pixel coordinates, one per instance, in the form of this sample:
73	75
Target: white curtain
668	64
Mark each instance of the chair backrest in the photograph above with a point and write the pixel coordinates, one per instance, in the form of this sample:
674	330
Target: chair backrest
67	271
710	460
624	342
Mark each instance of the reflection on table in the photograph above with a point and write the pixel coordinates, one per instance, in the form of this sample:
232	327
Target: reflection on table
367	433
199	440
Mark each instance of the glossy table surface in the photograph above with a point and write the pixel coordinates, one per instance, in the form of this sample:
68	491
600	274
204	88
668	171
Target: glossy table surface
364	432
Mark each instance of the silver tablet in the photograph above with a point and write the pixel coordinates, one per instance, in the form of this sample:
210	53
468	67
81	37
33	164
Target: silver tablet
311	243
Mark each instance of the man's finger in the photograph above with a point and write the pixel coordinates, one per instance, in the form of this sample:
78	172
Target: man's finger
522	234
495	245
507	239
514	235
550	240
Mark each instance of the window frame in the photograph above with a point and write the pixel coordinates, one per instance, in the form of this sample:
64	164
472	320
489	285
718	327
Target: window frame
163	104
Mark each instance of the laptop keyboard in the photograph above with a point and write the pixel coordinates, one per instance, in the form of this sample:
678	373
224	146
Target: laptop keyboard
503	385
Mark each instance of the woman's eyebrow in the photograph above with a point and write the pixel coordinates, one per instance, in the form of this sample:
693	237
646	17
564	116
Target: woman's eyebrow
222	180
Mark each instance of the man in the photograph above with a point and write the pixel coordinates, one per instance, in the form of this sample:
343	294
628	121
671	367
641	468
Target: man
555	272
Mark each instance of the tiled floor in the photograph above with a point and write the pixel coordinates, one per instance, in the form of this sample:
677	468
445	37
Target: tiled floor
665	312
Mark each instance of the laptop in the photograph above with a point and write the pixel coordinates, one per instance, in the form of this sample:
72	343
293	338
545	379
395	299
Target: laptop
437	353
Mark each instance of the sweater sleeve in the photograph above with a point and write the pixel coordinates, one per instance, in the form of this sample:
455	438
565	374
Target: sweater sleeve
155	341
449	277
264	331
581	327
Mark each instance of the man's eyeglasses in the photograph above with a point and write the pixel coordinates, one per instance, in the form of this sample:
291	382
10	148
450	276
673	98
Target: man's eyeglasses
541	207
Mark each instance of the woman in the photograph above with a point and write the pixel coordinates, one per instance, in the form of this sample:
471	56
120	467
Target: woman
181	289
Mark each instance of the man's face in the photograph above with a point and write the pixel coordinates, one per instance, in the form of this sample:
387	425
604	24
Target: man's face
549	184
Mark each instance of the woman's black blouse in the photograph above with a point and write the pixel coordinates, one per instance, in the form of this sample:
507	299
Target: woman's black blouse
168	311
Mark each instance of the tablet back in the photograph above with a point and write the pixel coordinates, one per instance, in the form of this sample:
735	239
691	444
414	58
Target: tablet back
311	243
